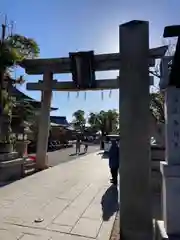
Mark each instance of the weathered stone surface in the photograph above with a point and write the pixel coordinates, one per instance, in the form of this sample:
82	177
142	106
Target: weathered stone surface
59	228
106	228
87	227
94	211
135	212
4	234
34	237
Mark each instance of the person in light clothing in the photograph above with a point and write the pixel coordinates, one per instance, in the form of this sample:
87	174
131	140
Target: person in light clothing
78	145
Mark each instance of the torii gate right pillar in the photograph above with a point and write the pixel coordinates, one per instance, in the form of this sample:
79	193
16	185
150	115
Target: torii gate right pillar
135	194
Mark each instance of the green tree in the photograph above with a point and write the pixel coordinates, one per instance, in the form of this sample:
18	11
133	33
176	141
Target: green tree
23	110
157	105
79	120
97	121
157	98
112	121
104	121
93	121
13	49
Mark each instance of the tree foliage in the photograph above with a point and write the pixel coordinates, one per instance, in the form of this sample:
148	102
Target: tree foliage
13	49
157	98
157	105
23	47
104	121
79	120
23	109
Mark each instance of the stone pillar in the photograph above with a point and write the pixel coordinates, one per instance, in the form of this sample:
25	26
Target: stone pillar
44	120
171	168
135	167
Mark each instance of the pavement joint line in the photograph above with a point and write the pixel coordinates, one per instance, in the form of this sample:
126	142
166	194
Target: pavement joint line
58	214
21	237
82	236
71	202
45	230
70	189
60	197
85	211
70	233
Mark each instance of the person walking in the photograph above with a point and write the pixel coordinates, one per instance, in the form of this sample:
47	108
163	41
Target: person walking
85	144
78	145
114	162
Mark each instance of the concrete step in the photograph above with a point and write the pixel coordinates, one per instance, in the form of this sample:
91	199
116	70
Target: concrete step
16	169
28	163
10	163
11	170
28	172
8	156
29	167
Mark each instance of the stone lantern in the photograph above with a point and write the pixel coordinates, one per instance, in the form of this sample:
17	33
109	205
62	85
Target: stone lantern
22	139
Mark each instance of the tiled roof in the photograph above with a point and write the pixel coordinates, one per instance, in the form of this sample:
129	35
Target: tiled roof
61	120
20	95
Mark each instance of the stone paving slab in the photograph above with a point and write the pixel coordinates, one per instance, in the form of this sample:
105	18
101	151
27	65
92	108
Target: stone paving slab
71	200
87	227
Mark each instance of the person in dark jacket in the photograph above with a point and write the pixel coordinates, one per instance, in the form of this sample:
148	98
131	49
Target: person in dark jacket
114	161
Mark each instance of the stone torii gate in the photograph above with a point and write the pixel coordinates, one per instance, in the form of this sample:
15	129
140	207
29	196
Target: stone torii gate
133	61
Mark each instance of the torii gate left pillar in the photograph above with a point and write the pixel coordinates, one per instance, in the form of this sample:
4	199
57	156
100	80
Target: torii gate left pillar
44	121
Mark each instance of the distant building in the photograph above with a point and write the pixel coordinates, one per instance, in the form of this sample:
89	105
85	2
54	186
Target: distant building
60	120
19	121
61	129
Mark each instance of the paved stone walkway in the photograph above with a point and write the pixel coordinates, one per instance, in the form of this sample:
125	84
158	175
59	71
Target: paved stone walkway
72	201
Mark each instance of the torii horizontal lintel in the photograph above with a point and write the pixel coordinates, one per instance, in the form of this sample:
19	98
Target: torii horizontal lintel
103	62
103	84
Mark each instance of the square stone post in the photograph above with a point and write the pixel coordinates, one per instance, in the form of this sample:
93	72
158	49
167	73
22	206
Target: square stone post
135	167
44	121
171	168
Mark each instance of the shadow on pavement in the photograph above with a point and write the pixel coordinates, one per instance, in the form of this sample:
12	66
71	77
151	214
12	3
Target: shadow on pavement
109	202
74	154
100	153
3	184
103	155
83	153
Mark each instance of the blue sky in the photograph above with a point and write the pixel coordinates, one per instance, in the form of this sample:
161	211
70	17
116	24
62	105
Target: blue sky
63	26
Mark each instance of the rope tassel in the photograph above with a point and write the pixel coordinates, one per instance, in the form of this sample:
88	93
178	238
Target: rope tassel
110	93
102	95
68	95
